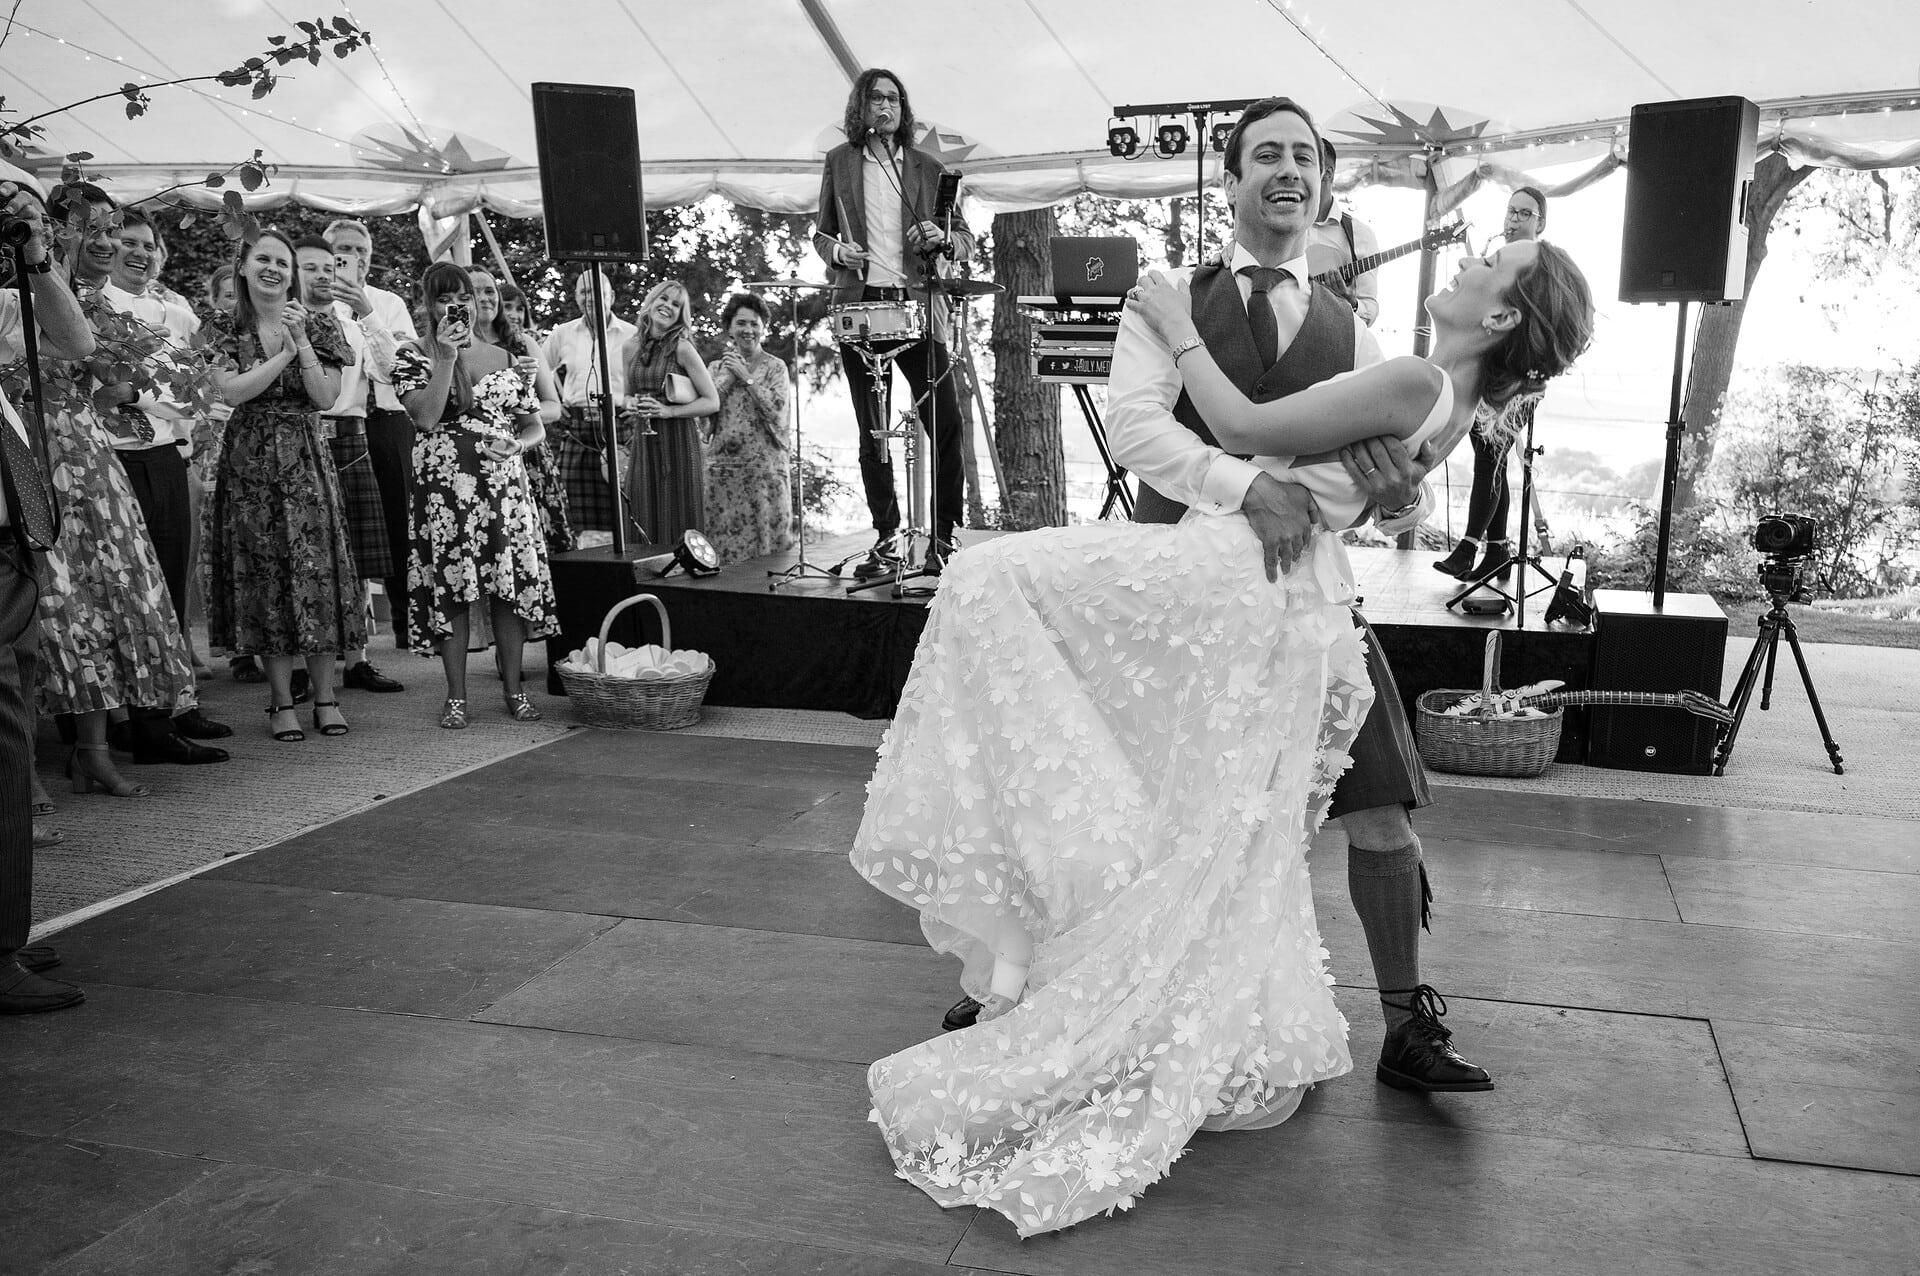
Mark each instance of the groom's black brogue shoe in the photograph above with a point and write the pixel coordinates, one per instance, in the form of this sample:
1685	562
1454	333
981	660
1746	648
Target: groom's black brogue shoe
961	1014
1419	1054
24	993
194	725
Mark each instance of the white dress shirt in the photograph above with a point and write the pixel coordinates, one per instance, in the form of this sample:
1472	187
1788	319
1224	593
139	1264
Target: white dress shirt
390	313
886	238
373	349
570	348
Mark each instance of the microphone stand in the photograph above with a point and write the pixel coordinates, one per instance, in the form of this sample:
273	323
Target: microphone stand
609	432
801	569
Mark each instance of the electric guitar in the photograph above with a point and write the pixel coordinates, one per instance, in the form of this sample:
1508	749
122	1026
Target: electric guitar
1436	237
1695	702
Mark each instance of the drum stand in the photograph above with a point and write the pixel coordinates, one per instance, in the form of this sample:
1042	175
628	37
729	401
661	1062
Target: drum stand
1528	558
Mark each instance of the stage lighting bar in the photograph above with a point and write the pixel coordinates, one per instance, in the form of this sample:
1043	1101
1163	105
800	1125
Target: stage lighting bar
1171	138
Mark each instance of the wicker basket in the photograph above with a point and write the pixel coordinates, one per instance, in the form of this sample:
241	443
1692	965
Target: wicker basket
653	704
1478	743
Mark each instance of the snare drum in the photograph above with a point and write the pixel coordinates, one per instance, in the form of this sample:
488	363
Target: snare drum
880	325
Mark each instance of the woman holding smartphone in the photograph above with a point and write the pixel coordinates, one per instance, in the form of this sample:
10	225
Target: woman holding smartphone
476	533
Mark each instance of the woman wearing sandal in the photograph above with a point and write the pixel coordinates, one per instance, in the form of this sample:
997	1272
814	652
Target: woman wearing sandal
476	531
281	579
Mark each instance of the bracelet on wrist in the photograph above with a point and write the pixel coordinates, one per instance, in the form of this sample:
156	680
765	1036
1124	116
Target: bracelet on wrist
1186	347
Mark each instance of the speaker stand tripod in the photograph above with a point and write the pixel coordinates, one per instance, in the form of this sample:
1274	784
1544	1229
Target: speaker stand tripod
1777	621
1527	559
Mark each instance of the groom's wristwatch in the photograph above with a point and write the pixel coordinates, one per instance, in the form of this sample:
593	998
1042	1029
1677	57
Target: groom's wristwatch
1390	515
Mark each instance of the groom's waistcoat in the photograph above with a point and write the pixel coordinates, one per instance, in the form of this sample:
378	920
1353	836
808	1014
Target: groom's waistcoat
1323	348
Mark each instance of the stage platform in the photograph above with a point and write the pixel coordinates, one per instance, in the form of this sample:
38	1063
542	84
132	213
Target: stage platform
812	645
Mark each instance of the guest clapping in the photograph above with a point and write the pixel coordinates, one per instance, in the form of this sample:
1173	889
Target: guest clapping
476	534
749	501
281	579
668	390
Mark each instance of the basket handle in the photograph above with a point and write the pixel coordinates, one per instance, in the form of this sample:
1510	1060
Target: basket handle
666	631
1489	673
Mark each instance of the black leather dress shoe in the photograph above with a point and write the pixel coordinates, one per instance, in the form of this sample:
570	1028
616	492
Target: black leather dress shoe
197	726
961	1015
24	993
173	749
1419	1054
882	560
364	677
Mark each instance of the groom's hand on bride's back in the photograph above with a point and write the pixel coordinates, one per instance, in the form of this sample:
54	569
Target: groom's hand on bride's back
1386	472
1282	517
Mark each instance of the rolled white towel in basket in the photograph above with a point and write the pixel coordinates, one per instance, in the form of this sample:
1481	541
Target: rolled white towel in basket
643	664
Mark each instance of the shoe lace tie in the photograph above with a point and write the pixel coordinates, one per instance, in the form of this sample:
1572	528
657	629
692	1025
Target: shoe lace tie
1427	1006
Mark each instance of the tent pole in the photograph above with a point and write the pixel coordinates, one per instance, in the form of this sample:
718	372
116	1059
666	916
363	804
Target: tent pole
1429	264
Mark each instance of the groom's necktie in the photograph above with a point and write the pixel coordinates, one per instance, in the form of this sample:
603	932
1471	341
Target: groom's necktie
1266	333
29	501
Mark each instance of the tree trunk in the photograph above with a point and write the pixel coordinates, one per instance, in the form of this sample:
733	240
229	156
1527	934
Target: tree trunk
1026	413
1773	180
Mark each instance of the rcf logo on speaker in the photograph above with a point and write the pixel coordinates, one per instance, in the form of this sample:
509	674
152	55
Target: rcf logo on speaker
1095	268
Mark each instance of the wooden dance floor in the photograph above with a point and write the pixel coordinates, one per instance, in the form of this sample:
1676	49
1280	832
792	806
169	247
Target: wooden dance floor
607	1007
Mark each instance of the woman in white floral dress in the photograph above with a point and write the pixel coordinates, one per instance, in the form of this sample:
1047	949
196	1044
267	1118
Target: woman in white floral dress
1115	744
476	532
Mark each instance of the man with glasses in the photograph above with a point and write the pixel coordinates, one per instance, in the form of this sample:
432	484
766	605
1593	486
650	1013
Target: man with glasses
878	236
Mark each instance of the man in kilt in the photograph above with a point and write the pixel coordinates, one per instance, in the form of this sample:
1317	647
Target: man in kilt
344	426
577	438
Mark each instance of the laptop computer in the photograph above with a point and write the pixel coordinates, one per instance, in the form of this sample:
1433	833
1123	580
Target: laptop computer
1099	266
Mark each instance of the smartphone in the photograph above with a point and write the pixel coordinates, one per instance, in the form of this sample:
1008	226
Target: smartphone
460	312
346	268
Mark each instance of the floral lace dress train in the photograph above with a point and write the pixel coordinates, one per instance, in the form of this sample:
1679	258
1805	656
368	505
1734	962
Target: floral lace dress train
1119	740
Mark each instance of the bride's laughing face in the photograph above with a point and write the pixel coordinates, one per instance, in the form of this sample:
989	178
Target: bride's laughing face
1477	294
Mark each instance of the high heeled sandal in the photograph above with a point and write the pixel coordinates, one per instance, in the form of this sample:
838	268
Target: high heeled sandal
293	735
331	728
454	716
521	709
86	780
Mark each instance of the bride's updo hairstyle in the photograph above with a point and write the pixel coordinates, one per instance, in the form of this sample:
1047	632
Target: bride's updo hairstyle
1556	325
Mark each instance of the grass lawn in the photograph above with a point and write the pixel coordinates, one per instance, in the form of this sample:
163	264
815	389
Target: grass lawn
1826	622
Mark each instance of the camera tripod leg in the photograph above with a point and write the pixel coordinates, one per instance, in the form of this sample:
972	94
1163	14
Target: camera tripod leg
1743	692
1813	699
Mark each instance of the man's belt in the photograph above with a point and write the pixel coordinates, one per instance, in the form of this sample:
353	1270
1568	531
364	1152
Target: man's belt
343	427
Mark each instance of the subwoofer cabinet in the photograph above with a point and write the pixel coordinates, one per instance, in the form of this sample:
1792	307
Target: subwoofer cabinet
1680	647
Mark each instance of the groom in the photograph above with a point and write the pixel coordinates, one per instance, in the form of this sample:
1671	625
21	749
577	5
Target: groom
1300	334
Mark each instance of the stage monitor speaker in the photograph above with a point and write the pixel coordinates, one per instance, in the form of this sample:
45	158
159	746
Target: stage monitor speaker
1680	647
588	137
1689	169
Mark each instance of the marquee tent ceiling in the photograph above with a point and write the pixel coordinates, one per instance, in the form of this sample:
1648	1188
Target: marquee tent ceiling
736	96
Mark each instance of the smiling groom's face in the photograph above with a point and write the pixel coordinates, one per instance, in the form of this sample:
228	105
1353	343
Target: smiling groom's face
1278	189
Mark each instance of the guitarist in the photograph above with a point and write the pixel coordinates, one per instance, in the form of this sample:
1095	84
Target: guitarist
1337	238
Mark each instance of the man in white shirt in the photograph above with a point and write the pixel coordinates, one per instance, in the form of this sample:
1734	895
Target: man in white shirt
577	438
26	501
389	428
152	432
1299	336
1339	238
344	426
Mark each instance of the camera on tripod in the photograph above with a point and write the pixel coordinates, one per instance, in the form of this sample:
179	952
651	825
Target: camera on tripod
1787	541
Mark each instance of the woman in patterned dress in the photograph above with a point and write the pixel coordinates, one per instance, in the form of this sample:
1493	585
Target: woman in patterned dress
666	480
110	639
476	533
281	582
495	323
749	500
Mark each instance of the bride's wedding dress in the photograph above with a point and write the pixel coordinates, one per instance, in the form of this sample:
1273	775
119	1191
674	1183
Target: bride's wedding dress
1117	739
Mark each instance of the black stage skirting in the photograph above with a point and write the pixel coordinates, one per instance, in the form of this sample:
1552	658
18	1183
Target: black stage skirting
811	645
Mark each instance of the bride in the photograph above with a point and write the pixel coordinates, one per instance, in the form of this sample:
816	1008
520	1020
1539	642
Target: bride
1113	748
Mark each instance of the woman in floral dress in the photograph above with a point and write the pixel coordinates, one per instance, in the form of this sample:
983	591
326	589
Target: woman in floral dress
476	532
503	322
109	636
666	481
749	501
281	582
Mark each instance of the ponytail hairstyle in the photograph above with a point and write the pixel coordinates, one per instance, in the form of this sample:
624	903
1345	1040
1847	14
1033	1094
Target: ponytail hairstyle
1555	328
